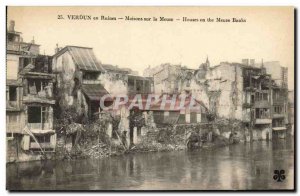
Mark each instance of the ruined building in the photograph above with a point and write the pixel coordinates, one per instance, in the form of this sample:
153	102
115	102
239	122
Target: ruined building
82	80
29	99
180	80
253	94
249	92
77	71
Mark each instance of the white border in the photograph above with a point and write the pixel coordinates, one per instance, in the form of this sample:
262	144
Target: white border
3	4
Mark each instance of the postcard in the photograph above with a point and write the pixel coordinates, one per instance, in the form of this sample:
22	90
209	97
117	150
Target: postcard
150	98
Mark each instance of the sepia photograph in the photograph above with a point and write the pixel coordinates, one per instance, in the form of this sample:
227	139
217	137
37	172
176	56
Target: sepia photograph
185	98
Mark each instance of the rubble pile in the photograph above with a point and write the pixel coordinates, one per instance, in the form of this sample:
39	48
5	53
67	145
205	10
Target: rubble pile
97	151
166	139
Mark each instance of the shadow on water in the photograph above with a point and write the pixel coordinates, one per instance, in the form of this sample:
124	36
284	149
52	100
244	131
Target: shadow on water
240	166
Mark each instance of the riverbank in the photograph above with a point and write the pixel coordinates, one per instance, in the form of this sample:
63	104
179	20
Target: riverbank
164	140
81	145
90	143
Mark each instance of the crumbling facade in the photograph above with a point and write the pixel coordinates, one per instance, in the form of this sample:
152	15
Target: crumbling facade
29	100
77	80
177	79
82	81
253	94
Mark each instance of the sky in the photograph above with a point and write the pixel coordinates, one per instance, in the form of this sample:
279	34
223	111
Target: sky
267	34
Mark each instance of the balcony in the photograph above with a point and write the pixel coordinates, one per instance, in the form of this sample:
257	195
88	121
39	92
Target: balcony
263	121
279	128
43	96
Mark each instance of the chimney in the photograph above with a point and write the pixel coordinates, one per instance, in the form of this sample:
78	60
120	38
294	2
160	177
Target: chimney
11	25
245	61
56	50
252	62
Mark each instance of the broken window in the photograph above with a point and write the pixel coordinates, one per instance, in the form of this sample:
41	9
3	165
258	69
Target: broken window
12	93
277	109
278	123
262	113
38	114
36	86
34	114
261	96
276	95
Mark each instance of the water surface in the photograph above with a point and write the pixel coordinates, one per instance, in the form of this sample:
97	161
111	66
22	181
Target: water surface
241	166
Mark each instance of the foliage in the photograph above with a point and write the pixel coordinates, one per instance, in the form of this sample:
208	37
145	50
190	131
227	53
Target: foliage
65	116
97	129
136	118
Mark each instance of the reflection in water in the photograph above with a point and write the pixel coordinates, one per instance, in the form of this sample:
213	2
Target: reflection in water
241	166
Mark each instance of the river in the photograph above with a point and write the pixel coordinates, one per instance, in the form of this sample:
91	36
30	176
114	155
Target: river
236	167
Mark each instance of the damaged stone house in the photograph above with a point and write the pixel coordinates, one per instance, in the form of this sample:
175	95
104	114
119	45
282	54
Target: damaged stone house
129	85
82	81
248	92
78	78
29	100
177	79
251	94
172	80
